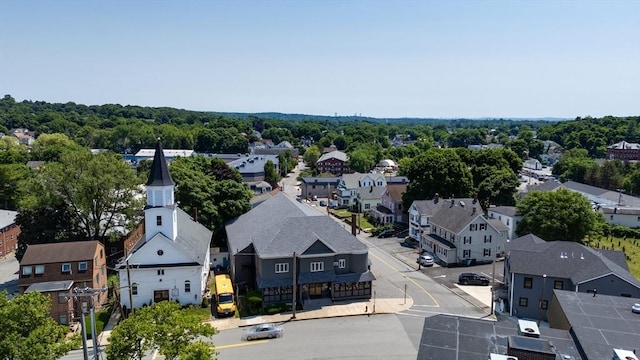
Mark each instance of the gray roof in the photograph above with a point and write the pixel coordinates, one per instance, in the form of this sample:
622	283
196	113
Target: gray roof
397	180
371	192
253	164
620	210
351	181
600	323
498	225
193	238
624	145
298	234
336	154
321	180
7	217
504	210
271	212
563	259
431	207
456	218
446	337
50	286
159	174
548	185
584	188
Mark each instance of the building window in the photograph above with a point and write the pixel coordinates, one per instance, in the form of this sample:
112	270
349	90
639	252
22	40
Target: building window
367	206
63	320
558	284
62	298
66	268
317	266
483	226
159	220
26	270
507	222
487	239
544	304
473	227
342	263
39	269
282	268
134	289
524	302
487	252
160	272
528	282
82	266
187	286
466	254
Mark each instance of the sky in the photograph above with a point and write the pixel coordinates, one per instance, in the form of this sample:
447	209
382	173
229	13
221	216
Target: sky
385	59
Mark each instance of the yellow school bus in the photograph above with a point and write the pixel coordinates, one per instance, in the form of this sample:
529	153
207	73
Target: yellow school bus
225	304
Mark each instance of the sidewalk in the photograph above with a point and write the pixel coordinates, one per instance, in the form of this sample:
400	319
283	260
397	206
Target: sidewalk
339	309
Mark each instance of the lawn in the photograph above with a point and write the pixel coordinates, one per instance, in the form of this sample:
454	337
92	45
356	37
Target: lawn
345	215
631	247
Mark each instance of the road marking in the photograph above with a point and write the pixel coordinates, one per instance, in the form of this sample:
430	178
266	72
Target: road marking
408	278
438	276
257	342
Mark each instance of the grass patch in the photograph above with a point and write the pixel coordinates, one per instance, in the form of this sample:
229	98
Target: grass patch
345	215
202	313
631	248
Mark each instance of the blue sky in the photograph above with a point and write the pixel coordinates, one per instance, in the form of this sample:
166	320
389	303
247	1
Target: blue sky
441	59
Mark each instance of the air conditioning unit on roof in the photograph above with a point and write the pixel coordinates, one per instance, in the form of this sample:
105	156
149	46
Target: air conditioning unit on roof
528	328
620	354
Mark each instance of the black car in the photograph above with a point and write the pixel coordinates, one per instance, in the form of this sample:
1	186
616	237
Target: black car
473	279
386	233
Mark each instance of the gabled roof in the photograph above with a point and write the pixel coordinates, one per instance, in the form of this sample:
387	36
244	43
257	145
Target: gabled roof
62	252
455	218
297	234
7	217
504	210
271	212
498	225
431	207
396	191
285	144
548	185
49	286
563	259
584	188
371	192
624	145
321	180
336	154
193	238
159	174
351	181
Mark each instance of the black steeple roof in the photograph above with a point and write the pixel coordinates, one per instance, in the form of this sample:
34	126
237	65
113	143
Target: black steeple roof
159	175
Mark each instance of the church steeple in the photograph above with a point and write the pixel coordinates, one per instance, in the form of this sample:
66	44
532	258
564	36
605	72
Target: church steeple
159	175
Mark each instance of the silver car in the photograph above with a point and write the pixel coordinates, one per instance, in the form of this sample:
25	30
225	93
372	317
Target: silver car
263	331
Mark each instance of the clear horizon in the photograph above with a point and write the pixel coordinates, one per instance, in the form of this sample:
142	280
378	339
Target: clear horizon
380	59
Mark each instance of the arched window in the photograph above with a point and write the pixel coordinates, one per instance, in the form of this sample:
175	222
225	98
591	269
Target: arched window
187	286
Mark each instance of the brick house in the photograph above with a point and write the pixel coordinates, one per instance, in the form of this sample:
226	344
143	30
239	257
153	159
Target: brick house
9	232
53	265
334	162
623	151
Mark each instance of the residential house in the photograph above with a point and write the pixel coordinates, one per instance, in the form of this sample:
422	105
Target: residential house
259	187
334	162
534	268
460	234
319	186
25	136
298	248
9	232
350	183
368	199
251	167
56	268
506	215
532	164
421	211
390	210
277	149
624	151
625	216
172	260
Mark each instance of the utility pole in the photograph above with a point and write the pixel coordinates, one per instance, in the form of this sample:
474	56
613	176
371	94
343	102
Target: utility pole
80	293
295	292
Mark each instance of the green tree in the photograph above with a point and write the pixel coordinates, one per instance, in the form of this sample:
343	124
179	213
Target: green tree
311	156
12	151
27	330
270	174
51	147
164	326
436	171
557	215
101	190
11	175
198	350
498	188
361	160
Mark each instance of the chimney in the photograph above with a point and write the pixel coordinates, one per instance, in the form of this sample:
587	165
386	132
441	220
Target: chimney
436	197
475	198
473	210
453	202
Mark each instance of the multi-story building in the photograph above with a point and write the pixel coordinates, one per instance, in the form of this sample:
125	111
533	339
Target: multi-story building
9	232
334	162
624	151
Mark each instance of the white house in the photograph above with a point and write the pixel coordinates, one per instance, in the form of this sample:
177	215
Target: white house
506	215
421	211
350	183
532	164
171	261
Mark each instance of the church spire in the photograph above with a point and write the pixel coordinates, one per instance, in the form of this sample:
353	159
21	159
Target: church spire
159	175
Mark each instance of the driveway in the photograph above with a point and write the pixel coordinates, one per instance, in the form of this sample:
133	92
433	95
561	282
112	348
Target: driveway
9	268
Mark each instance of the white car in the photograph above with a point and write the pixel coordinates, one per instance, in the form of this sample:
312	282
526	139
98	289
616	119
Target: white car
264	331
636	308
425	260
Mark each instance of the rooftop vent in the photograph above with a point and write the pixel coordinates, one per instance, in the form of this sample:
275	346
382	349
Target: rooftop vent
528	328
501	357
620	354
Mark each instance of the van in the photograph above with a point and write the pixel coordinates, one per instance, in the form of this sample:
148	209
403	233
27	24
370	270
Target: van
225	303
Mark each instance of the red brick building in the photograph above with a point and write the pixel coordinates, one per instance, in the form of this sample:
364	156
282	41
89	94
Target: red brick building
57	268
624	151
334	162
9	232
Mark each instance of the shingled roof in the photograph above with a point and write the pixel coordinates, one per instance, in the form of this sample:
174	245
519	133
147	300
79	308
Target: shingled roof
60	252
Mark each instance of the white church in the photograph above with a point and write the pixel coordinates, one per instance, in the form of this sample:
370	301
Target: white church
171	261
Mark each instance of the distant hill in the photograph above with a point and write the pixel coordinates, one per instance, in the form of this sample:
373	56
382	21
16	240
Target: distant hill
304	117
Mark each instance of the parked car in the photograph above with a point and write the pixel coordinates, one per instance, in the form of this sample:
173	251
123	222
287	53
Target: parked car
323	202
263	331
425	260
386	233
473	279
410	242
